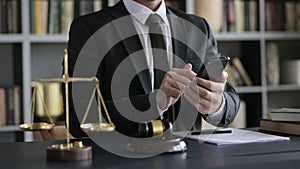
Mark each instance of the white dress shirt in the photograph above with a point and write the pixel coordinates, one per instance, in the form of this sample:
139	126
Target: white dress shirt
140	14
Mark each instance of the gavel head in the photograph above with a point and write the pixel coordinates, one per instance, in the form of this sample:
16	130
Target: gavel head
154	128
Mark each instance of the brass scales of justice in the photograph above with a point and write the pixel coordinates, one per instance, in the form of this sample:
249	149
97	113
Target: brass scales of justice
69	151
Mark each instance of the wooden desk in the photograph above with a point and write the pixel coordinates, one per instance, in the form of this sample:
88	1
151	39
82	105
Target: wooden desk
282	154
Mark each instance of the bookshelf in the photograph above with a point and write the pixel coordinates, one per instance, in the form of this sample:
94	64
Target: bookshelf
41	56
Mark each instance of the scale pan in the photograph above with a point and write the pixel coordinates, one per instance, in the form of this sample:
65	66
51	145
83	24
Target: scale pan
97	127
36	126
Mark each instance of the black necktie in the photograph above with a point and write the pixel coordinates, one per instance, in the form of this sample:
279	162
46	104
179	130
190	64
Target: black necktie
157	39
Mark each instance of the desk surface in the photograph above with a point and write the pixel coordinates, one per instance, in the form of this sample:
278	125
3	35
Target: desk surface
281	154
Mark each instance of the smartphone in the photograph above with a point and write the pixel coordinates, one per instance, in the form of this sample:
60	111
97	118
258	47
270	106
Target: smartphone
213	69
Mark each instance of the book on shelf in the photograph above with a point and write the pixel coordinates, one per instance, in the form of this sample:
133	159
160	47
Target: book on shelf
282	15
234	77
16	16
273	66
0	17
11	14
242	73
241	15
55	16
284	127
4	16
290	8
247	13
67	15
31	17
10	105
85	7
212	11
230	15
274	19
88	6
284	114
17	104
2	107
40	16
298	15
253	15
97	5
239	12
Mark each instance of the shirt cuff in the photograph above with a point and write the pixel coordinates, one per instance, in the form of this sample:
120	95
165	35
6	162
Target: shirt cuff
219	113
160	111
216	115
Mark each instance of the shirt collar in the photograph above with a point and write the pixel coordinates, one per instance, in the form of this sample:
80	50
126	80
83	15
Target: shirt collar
141	12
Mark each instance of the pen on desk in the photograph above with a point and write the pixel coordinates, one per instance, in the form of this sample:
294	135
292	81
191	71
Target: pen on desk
210	132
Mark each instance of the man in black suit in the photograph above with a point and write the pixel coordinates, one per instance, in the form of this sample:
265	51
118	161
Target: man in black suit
189	41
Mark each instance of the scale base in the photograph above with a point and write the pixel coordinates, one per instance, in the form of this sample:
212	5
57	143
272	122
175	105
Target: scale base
157	145
69	152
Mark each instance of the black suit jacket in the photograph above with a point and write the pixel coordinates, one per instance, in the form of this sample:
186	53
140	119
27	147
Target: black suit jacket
193	43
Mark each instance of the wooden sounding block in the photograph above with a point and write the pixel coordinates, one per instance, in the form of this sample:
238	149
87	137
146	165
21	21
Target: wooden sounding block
69	152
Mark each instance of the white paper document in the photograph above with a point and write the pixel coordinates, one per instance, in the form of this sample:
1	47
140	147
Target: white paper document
237	136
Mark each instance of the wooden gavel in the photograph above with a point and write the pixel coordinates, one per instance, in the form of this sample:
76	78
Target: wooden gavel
153	128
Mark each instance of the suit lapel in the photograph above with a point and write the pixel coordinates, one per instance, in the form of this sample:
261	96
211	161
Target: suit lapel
188	43
131	44
179	47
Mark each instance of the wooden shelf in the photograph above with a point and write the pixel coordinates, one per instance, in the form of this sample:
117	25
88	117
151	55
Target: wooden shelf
282	88
9	128
49	38
243	36
282	35
250	89
11	38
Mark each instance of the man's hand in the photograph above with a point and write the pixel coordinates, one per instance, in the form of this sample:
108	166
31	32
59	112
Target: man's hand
173	85
205	95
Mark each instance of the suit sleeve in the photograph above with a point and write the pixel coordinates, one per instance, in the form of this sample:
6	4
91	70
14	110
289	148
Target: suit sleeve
231	97
78	35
